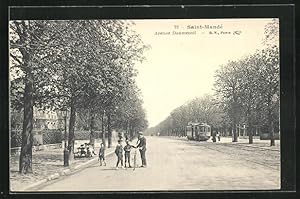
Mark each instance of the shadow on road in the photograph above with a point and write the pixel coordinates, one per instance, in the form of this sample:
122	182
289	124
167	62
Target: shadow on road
96	165
109	169
102	168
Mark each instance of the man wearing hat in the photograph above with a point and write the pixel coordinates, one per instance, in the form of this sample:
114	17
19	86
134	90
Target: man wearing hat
142	148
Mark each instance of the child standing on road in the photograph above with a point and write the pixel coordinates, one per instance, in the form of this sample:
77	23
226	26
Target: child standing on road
102	154
127	149
119	154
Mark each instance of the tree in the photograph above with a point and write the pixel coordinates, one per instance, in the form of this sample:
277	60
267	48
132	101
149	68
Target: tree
30	43
270	87
270	74
248	92
130	116
227	86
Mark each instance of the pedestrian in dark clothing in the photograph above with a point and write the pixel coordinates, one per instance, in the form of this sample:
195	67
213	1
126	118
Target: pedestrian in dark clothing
102	154
119	154
88	152
214	138
219	136
142	149
127	149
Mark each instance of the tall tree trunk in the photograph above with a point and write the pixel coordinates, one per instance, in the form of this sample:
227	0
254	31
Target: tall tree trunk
272	143
72	129
131	133
65	132
109	130
92	127
235	136
130	127
25	162
103	130
235	110
250	133
128	130
271	124
249	129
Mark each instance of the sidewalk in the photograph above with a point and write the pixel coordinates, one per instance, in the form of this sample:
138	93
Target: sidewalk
256	142
47	165
241	141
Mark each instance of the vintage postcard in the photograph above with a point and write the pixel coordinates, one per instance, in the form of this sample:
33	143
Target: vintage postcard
144	104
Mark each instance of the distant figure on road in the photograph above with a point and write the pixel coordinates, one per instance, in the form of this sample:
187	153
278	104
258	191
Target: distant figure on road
127	149
142	148
119	154
102	154
219	136
214	137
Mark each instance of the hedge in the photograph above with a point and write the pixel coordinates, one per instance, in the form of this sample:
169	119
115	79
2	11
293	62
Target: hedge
85	135
16	138
40	137
82	135
48	137
52	136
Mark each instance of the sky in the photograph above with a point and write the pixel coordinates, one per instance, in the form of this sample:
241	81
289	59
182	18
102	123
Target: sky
179	68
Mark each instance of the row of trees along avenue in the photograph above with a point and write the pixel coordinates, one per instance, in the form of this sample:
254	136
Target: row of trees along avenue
84	67
246	92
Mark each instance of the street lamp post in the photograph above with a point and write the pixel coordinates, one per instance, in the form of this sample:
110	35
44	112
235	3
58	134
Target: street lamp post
66	151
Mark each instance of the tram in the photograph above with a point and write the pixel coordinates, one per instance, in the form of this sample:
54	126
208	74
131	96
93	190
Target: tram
198	131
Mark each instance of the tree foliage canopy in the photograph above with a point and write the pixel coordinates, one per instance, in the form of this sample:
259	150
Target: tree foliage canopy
75	65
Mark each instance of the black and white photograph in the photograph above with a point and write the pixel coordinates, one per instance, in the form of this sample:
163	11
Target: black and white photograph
144	105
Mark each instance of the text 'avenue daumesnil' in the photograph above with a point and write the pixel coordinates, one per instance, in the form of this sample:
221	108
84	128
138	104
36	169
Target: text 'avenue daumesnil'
169	33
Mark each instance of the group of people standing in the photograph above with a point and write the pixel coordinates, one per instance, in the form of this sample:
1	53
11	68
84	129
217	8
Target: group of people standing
121	151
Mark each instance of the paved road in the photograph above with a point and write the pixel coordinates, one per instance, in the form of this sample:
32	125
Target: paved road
177	164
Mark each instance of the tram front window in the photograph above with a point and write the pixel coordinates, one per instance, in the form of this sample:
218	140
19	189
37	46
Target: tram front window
202	129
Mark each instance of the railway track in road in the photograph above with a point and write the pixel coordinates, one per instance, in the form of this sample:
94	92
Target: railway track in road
252	147
260	155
